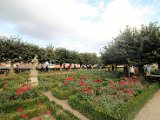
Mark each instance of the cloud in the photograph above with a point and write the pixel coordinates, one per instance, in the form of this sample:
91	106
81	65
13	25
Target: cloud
64	21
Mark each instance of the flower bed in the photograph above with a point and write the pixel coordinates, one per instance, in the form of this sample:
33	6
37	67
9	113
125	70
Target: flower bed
126	111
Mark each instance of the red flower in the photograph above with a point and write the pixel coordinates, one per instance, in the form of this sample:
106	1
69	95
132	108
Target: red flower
123	82
65	83
120	92
90	92
19	109
25	89
119	87
129	91
98	80
83	83
24	85
86	89
48	112
24	115
69	78
18	91
39	119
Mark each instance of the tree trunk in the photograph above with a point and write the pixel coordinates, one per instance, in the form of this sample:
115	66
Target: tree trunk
158	65
80	66
70	66
12	68
60	67
141	73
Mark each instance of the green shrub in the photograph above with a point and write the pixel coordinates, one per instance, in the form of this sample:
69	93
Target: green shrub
61	94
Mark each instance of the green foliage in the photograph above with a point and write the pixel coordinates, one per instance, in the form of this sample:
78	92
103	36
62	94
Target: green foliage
134	46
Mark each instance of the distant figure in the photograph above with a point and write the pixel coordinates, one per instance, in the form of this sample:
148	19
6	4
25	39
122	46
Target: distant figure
47	68
112	68
131	72
74	66
17	69
148	72
125	69
35	63
42	68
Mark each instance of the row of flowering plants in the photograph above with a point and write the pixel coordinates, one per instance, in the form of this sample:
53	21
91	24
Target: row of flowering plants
22	91
103	91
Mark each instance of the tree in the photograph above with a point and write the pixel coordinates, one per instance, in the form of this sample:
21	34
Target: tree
138	47
14	50
72	57
49	53
61	56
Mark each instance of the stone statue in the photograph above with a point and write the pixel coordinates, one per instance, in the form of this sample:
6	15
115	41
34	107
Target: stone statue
33	73
35	63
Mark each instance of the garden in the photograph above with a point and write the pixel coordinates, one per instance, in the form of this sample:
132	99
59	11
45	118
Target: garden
97	94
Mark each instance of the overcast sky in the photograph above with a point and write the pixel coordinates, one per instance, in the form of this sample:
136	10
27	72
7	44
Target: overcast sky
81	25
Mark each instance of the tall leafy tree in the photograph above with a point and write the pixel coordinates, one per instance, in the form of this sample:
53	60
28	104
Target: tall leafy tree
61	56
138	47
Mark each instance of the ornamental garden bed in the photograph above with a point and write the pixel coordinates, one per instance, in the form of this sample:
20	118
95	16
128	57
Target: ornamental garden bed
19	101
101	97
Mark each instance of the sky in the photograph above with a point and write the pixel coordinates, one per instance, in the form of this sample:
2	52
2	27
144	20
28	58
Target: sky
81	25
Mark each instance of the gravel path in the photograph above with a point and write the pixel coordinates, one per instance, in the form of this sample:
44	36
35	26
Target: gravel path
151	111
65	105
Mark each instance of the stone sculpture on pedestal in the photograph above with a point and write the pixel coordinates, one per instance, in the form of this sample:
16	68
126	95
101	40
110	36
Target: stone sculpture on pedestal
33	72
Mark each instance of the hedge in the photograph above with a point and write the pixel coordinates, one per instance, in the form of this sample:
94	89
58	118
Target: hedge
126	112
59	113
60	94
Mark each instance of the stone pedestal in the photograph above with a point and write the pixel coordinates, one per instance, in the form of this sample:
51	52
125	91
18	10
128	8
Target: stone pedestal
33	78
